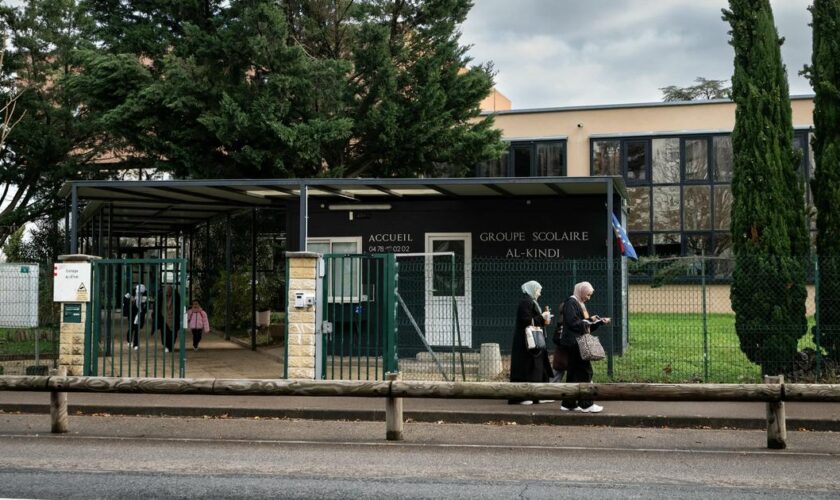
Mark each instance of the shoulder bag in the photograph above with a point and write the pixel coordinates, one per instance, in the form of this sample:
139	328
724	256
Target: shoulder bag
534	337
590	348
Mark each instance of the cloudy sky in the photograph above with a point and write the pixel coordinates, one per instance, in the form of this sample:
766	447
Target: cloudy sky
550	53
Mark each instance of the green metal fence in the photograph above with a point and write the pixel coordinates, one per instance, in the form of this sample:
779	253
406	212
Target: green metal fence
357	316
672	322
135	323
450	307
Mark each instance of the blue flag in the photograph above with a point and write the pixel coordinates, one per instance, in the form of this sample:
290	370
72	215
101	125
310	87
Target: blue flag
623	241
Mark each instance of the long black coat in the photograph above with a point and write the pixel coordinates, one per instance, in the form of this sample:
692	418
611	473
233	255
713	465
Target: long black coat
573	326
525	365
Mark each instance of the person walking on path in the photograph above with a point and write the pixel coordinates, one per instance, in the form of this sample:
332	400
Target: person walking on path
197	322
576	322
529	365
135	305
170	317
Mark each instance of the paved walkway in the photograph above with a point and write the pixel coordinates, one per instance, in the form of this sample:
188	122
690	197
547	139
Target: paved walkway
218	358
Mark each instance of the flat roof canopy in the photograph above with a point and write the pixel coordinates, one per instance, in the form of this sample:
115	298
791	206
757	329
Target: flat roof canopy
147	208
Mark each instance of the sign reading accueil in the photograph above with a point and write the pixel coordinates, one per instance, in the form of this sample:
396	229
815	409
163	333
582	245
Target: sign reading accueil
72	282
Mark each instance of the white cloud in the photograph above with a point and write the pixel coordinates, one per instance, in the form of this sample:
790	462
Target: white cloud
564	52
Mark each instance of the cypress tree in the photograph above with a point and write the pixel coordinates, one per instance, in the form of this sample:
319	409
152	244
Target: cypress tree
824	74
769	229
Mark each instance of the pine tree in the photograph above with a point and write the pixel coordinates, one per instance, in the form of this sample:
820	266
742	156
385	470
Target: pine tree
267	88
824	74
769	229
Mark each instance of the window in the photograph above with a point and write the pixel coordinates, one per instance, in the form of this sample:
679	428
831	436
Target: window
443	285
698	210
493	168
696	159
551	159
667	245
723	207
522	161
722	146
527	159
666	161
666	208
637	161
606	157
342	278
638	218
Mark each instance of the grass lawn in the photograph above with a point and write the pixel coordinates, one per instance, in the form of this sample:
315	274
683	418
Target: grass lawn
12	345
670	348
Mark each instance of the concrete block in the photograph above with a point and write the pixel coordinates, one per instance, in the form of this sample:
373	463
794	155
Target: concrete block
307	285
301	317
303	262
302	373
302	328
302	273
301	361
302	351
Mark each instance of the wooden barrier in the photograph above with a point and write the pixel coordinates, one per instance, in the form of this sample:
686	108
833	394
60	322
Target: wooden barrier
774	393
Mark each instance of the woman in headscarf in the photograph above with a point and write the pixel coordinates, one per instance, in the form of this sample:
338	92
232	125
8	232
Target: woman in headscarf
169	317
528	365
135	305
576	322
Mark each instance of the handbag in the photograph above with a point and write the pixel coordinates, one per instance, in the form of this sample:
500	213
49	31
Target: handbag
534	337
590	348
560	360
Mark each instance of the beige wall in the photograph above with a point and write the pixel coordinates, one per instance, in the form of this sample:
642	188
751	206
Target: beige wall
496	101
688	299
628	120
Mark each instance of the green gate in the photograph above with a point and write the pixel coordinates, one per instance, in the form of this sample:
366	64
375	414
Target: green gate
135	321
358	316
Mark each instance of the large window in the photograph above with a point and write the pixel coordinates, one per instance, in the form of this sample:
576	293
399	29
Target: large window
343	274
527	159
680	197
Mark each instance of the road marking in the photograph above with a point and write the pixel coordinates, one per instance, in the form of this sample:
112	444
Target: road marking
428	445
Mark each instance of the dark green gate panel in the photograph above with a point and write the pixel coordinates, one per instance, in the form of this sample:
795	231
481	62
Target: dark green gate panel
135	324
358	315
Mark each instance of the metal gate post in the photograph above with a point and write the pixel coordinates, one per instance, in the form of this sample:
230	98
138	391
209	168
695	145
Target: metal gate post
390	314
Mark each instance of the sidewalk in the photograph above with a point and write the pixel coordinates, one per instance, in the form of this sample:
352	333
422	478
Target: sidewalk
221	359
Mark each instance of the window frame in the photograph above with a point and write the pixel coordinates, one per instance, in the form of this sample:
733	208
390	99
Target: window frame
509	167
356	286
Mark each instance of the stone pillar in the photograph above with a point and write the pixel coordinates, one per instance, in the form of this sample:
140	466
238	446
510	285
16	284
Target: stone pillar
489	362
73	317
300	322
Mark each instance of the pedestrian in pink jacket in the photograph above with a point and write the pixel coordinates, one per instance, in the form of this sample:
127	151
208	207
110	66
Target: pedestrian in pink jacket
197	322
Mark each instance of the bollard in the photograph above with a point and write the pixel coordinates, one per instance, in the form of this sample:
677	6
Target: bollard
58	405
393	413
776	427
489	362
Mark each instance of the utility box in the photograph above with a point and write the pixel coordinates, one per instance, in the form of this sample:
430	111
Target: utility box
304	300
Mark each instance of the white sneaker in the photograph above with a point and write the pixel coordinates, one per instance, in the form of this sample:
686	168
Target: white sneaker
527	402
137	348
166	349
544	401
592	409
576	408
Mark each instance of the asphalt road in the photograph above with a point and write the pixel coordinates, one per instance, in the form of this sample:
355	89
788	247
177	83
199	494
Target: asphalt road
132	457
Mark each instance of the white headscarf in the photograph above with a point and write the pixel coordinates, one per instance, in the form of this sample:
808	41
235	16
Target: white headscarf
139	290
532	289
582	291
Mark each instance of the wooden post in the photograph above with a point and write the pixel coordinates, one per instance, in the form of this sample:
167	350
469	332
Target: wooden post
776	428
58	405
393	413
